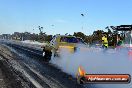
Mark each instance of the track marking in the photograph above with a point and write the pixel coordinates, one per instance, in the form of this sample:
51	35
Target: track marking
35	83
51	83
46	80
32	80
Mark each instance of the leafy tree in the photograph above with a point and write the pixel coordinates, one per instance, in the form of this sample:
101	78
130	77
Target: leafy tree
79	34
97	36
48	38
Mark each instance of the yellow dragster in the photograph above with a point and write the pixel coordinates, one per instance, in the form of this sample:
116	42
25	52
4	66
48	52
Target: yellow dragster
60	41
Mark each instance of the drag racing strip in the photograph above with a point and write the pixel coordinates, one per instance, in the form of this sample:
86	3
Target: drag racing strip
15	64
47	81
2	83
33	81
33	51
33	76
9	78
40	74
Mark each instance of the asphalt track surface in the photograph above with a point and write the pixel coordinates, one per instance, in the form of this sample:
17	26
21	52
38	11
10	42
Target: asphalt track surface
24	67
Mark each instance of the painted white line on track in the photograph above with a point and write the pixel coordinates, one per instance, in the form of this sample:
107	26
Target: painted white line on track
34	82
47	81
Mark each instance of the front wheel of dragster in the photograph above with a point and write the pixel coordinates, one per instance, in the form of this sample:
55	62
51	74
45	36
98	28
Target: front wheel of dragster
81	80
47	55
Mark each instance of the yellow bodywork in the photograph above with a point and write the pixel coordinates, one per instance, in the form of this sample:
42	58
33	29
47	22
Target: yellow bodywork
59	44
105	41
69	48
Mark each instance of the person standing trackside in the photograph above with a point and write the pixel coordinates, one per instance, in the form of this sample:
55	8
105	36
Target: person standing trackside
104	41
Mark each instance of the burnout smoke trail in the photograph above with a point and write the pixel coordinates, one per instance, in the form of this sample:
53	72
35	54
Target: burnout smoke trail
96	61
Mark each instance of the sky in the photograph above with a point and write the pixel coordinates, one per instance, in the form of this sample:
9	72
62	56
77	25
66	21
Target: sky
63	16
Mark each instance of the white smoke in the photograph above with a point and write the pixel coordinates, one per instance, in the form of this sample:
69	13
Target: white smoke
96	61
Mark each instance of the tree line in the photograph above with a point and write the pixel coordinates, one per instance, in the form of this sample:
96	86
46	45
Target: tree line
94	38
